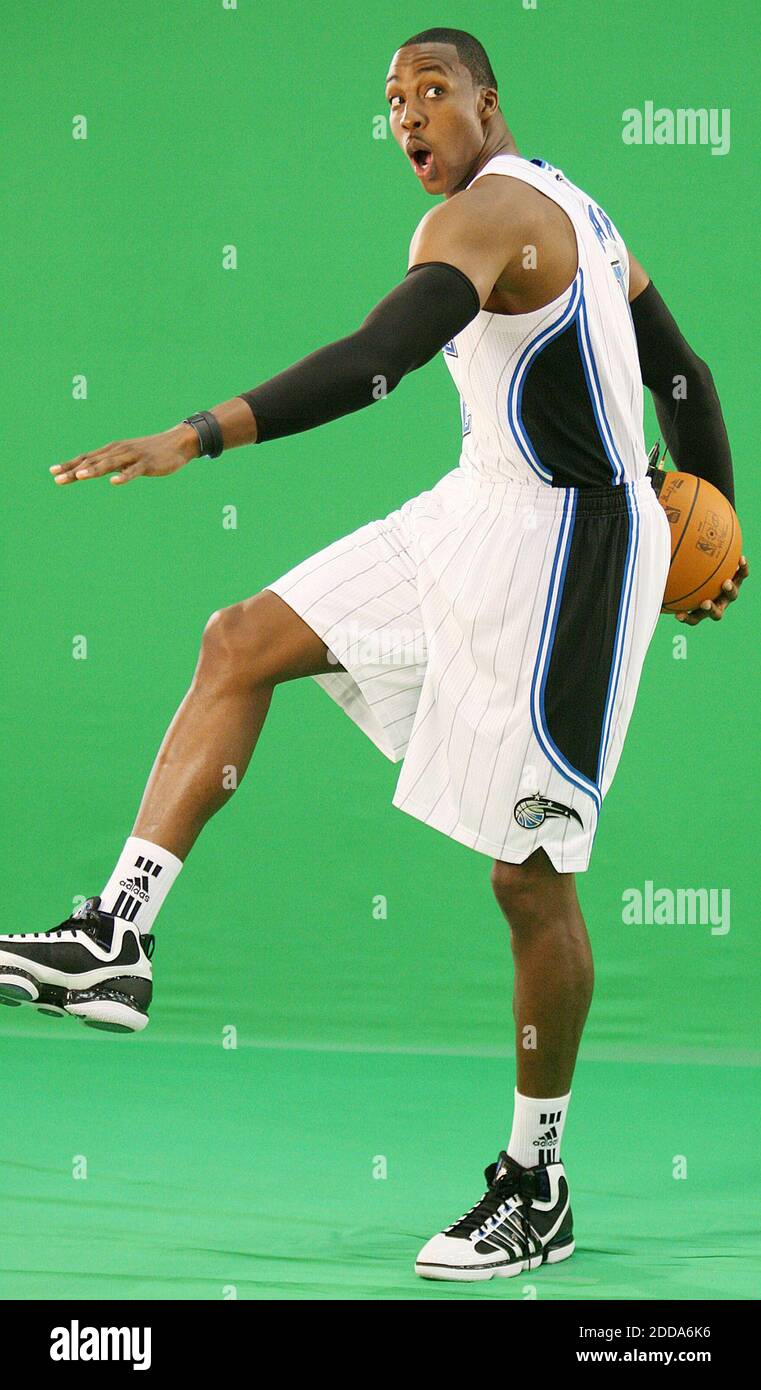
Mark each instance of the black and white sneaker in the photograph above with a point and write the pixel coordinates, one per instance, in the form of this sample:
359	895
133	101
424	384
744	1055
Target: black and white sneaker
522	1221
93	966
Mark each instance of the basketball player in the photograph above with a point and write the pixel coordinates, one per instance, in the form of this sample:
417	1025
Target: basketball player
490	632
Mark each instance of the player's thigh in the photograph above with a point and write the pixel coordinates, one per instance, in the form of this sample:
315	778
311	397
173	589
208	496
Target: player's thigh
264	639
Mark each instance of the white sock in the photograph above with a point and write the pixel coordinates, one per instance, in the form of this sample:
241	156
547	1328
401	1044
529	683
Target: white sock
537	1130
142	878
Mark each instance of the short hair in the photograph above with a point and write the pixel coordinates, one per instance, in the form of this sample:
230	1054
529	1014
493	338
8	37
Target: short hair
471	53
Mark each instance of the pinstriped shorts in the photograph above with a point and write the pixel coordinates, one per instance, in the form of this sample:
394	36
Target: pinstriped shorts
493	635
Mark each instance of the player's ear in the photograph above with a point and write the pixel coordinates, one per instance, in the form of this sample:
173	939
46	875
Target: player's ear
488	103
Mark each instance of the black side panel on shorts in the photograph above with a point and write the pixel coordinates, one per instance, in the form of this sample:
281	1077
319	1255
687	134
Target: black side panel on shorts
582	651
566	441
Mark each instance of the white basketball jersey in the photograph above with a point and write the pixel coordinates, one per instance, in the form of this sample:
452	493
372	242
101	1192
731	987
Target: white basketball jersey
555	396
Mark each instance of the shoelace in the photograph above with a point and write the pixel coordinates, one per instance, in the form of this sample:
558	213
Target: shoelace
517	1222
490	1211
54	931
89	925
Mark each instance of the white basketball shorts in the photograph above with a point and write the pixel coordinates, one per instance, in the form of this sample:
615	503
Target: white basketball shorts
493	635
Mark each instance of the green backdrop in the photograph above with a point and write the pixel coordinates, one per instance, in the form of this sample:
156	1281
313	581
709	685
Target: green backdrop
360	1036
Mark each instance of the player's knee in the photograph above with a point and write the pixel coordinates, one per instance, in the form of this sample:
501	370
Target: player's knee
235	643
520	889
509	885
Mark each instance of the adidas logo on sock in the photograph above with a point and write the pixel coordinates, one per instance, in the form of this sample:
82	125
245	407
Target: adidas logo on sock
150	868
547	1142
135	890
139	884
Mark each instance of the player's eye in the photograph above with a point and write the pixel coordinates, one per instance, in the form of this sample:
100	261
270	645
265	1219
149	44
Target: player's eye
435	89
392	99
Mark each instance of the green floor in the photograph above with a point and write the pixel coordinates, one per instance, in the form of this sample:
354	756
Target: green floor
249	1172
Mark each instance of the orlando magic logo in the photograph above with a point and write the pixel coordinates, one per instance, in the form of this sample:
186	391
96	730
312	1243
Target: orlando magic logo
533	811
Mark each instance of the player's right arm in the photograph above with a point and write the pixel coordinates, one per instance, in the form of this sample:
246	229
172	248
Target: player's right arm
684	395
457	254
406	329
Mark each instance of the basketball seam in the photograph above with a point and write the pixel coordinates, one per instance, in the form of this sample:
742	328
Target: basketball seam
717	566
687	522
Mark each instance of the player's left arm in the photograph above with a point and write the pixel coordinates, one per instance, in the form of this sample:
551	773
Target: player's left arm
685	397
453	265
686	404
457	254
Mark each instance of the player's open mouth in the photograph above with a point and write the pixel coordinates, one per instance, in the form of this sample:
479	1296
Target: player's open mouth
422	161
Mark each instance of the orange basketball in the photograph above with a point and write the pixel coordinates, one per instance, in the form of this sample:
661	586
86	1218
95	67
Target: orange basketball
706	541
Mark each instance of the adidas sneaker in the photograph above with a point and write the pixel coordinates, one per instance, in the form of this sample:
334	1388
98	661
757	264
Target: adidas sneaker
94	966
522	1221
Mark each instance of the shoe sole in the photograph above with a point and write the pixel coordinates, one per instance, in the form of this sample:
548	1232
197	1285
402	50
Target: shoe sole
119	1005
552	1255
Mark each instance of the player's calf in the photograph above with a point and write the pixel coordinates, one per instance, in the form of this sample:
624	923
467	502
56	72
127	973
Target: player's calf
96	964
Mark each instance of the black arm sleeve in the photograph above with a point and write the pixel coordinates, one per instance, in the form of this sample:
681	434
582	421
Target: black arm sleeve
684	394
433	303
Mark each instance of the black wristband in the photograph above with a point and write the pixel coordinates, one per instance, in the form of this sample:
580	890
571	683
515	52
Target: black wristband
208	430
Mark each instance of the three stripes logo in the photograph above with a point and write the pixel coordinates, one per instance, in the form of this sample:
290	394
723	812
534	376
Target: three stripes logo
135	890
547	1143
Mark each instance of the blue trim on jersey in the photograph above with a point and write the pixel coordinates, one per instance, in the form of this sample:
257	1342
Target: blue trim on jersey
541	669
595	393
515	389
621	627
450	349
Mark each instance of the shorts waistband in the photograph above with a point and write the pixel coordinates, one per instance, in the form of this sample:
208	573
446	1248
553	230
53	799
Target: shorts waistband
587	501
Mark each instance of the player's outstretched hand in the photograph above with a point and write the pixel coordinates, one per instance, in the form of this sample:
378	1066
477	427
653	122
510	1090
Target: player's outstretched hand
716	609
153	456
